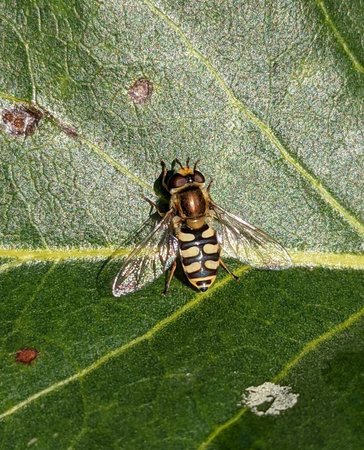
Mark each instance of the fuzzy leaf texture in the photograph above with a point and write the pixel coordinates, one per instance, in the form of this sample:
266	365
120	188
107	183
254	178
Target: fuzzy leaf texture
268	95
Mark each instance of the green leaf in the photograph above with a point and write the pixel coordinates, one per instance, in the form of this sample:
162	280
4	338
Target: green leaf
160	372
329	412
268	96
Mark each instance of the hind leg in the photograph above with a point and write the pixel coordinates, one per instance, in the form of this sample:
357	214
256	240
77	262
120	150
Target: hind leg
225	267
169	277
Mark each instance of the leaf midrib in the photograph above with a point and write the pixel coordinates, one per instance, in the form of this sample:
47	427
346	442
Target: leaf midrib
20	256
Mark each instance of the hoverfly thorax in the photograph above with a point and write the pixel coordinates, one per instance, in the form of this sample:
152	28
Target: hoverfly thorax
188	194
197	232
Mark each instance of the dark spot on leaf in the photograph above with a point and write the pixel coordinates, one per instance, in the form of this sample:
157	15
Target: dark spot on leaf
141	91
21	120
68	129
26	355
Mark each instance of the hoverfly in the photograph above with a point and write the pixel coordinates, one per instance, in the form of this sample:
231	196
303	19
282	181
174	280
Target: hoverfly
198	232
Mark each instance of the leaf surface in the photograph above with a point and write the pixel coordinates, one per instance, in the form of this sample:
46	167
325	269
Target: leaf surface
268	96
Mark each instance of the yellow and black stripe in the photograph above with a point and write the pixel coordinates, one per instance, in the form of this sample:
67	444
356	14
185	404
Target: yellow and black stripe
200	255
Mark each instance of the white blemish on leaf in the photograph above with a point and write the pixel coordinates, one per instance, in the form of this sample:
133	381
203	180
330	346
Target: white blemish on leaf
32	441
269	399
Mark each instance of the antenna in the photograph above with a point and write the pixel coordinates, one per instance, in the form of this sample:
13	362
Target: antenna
197	162
178	162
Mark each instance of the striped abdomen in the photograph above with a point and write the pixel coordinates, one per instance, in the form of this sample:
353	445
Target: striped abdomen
200	254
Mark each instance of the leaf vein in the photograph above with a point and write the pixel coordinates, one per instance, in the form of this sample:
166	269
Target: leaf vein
291	364
197	299
94	147
26	49
16	323
21	196
339	38
299	259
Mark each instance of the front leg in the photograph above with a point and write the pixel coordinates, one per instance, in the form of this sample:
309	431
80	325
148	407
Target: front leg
164	174
153	204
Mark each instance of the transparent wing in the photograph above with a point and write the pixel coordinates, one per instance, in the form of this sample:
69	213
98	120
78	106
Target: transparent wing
152	257
247	243
141	233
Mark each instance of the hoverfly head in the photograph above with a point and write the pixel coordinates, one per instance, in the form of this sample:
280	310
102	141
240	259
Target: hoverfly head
185	176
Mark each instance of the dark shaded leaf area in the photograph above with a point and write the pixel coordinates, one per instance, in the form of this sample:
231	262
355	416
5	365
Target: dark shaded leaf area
188	373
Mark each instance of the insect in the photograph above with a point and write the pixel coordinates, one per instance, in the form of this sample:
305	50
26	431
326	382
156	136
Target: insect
199	233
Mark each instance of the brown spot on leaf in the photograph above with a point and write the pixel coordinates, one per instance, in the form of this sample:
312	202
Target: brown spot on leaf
26	355
70	131
141	91
21	120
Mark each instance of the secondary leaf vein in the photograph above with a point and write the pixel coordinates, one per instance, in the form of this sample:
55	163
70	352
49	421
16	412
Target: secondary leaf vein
94	147
125	347
291	364
259	123
341	41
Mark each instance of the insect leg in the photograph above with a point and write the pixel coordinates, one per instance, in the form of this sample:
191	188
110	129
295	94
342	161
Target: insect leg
170	276
224	266
195	166
209	185
153	204
179	163
164	174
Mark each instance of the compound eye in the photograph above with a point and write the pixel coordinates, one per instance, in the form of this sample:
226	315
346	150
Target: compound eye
198	177
177	181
